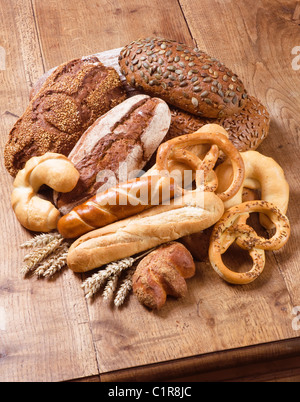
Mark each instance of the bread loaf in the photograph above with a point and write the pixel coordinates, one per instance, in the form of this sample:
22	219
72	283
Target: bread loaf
151	228
119	143
69	101
184	77
117	203
247	129
163	272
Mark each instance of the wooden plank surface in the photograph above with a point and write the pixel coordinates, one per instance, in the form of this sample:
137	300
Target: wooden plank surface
47	330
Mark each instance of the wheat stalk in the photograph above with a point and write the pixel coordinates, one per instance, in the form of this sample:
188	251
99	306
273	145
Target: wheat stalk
41	240
110	276
54	263
125	288
111	286
93	284
49	255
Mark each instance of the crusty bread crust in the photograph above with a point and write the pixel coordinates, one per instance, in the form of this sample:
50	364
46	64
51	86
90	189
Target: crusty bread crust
69	101
184	77
191	214
125	136
163	272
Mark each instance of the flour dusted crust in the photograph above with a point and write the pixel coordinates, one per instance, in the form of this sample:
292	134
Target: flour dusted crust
125	136
69	101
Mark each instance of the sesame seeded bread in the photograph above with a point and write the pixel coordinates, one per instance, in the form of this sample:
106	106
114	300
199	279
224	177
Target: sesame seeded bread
69	101
184	77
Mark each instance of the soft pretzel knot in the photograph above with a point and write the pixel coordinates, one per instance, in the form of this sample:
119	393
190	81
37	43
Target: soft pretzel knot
232	228
178	149
54	170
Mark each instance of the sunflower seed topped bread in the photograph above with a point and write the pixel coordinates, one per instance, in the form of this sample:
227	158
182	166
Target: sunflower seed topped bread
247	129
184	77
69	101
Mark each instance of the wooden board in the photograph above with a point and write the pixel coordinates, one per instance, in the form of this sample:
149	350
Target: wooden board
48	332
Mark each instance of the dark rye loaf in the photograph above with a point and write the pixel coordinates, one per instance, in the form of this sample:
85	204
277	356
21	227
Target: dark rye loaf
70	100
184	77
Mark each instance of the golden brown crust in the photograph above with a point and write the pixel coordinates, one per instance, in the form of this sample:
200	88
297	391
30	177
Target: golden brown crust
70	100
231	228
151	228
116	203
127	135
184	77
161	273
247	129
54	170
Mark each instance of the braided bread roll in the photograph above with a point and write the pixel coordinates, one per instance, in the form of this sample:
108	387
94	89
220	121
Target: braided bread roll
122	201
54	170
192	213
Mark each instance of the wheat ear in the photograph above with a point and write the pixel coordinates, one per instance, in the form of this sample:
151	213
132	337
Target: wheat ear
49	255
125	288
41	240
111	274
93	284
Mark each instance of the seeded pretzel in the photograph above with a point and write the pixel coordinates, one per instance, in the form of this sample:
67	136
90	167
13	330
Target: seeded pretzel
230	229
176	149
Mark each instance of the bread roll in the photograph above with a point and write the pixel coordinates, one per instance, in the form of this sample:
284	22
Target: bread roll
142	232
163	272
184	77
69	101
33	212
120	143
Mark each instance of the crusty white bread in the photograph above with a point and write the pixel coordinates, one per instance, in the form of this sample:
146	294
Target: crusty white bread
192	213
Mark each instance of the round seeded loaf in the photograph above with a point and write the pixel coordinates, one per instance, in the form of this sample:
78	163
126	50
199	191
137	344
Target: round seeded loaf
184	77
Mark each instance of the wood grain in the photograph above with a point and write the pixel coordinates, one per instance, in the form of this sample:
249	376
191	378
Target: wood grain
65	33
46	335
50	332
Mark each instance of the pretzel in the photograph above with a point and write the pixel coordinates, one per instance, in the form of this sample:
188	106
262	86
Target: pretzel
177	150
261	173
230	229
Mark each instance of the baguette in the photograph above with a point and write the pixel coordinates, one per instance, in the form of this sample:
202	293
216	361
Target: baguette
73	96
121	142
151	228
117	203
184	77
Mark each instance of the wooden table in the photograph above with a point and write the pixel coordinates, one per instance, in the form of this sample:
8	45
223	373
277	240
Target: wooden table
48	331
